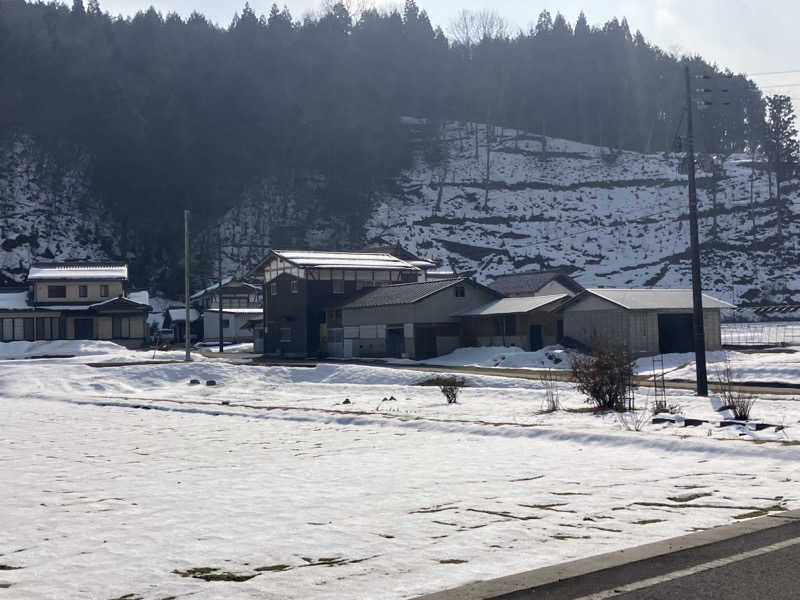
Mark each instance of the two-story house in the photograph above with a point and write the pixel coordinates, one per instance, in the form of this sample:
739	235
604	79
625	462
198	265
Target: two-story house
301	285
74	300
242	303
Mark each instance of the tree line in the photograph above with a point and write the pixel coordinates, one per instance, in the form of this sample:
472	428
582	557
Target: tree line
181	113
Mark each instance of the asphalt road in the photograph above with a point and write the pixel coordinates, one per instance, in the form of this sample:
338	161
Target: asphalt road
756	559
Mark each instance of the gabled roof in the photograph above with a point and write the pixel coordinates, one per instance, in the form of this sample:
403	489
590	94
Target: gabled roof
225	283
651	299
509	306
312	259
78	270
120	302
531	282
402	293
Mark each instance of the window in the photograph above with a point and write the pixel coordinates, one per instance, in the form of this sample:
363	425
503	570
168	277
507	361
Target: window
226	323
273	288
460	291
56	291
47	328
83	291
8	330
295	287
286	334
338	286
104	291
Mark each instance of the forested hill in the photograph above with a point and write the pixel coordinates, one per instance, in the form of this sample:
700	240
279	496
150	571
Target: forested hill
173	114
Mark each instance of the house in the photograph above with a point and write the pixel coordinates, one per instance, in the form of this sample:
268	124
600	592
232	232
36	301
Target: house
643	321
241	302
300	285
410	320
528	322
74	300
536	283
175	319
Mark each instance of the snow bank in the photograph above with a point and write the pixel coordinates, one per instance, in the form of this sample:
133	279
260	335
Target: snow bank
551	357
98	350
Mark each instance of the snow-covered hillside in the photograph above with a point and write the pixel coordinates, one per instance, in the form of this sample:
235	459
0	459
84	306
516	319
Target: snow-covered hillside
613	220
47	211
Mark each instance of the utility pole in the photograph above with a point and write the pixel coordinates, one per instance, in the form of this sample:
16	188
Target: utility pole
187	322
219	290
697	292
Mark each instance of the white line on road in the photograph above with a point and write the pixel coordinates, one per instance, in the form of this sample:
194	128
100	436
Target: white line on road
714	564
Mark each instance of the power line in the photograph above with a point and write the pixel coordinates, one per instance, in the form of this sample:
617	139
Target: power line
773	73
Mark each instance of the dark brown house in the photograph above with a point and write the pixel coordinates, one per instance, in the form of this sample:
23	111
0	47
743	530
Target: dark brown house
300	285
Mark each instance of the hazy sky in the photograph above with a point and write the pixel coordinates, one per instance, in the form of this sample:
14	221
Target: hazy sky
750	36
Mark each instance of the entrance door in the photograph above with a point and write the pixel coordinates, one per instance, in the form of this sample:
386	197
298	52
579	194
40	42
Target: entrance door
675	333
395	342
84	328
536	340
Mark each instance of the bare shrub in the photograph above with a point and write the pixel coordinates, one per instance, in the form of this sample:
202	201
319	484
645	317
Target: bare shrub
552	402
661	406
634	420
449	386
734	399
606	378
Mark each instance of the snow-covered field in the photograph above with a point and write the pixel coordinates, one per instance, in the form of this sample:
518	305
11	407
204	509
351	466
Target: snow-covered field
129	480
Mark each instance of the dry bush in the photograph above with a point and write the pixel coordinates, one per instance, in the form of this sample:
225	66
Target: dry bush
606	377
733	398
449	386
661	406
552	402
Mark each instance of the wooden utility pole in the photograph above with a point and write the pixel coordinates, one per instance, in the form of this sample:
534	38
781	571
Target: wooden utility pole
187	322
697	291
219	291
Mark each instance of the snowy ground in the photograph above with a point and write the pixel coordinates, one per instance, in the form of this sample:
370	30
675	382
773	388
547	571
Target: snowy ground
271	479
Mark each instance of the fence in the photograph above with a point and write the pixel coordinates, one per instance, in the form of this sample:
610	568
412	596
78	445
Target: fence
782	333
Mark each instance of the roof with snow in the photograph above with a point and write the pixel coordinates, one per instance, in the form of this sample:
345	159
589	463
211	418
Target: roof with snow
225	282
652	299
508	306
78	270
179	314
402	293
399	252
120	302
531	282
309	259
140	296
14	299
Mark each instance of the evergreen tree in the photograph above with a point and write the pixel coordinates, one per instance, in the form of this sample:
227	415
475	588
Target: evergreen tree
783	149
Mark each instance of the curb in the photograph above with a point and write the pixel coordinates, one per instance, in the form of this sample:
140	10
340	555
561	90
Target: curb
528	580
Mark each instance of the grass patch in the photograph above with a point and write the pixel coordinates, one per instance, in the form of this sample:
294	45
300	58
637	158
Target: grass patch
129	597
647	521
564	536
688	497
273	568
212	574
9	568
453	561
760	512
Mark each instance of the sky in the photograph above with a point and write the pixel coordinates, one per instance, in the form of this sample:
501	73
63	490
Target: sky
747	36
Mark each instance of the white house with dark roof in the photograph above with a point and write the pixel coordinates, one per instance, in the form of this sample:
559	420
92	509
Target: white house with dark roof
642	321
73	300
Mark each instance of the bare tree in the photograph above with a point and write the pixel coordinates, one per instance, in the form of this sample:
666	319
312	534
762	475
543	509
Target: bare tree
470	27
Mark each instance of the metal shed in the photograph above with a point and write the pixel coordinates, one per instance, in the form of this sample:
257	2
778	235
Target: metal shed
643	321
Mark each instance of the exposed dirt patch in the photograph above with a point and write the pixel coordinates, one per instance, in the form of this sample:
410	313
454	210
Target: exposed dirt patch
212	574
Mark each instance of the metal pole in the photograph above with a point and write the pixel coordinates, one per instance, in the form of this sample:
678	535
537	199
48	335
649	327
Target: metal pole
187	322
219	290
697	292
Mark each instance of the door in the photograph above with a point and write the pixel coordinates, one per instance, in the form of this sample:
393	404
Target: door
395	342
84	329
675	333
536	340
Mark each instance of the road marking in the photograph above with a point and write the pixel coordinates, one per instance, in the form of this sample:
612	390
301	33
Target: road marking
714	564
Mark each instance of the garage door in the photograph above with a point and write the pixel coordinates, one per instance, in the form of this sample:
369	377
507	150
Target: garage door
675	333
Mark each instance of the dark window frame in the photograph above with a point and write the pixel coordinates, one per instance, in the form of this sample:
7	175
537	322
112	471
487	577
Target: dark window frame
104	292
56	291
460	291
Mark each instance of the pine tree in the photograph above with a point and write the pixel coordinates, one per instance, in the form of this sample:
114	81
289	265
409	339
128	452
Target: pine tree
783	150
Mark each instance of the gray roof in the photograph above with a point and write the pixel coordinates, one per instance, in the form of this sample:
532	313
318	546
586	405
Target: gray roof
77	270
403	293
508	306
654	299
309	259
531	282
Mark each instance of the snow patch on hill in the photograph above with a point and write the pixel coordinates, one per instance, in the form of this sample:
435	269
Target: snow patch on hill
47	211
613	218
